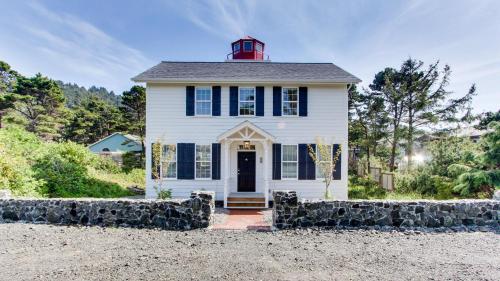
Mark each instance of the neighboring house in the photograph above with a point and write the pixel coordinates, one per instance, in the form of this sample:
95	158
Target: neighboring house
117	143
241	127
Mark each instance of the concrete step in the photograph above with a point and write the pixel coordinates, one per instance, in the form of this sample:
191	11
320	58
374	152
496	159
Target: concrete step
243	204
246	199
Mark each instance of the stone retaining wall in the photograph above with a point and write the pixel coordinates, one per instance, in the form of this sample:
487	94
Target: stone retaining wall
181	214
289	212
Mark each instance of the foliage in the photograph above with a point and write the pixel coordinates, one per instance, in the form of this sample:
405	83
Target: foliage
477	183
133	109
325	162
165	194
131	160
93	120
41	102
365	188
487	118
30	167
451	150
491	147
422	181
7	82
135	177
76	95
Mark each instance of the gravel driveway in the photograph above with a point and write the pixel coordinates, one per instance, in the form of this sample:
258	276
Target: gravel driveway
43	252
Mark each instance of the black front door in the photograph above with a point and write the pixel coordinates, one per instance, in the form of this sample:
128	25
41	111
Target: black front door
246	171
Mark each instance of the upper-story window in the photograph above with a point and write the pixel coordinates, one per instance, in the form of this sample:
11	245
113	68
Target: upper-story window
290	101
236	48
289	161
247	101
203	101
247	46
258	47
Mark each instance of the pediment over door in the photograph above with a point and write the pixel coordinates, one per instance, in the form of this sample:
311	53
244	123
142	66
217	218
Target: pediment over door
246	131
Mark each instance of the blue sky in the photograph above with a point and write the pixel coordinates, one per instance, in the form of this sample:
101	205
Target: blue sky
105	43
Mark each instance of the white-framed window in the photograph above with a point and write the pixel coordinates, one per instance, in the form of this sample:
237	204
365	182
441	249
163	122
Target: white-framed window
289	161
246	101
169	162
247	46
203	161
236	47
322	162
290	101
203	101
258	47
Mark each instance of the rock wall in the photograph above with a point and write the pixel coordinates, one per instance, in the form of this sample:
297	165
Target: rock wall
289	212
195	212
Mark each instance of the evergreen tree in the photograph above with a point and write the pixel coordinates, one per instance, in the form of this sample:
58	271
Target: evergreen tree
93	120
7	82
41	102
134	111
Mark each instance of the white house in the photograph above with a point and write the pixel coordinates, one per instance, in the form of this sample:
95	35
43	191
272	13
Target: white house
241	127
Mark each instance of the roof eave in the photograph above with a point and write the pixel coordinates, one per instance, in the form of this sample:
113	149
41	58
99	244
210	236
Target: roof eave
232	80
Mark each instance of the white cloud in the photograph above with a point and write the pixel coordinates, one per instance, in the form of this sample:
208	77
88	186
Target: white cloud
70	49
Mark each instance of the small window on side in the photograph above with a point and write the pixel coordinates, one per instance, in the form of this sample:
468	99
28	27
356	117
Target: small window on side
247	46
236	47
258	47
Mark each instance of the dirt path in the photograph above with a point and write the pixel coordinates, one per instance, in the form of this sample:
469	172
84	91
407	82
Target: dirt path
42	252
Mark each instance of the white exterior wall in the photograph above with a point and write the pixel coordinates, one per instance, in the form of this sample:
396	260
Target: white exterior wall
327	117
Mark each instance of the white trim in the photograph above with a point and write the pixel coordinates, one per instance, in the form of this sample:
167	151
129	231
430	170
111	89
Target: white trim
210	161
297	161
211	101
282	102
254	101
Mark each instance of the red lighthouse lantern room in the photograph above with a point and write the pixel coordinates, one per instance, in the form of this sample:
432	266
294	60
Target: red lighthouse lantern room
248	48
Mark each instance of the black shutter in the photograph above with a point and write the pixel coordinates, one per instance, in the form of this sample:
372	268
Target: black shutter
259	100
302	101
338	167
216	101
233	101
216	161
276	161
307	167
276	101
185	161
189	100
156	162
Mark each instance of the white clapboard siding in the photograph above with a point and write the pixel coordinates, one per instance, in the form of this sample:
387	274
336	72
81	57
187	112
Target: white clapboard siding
327	117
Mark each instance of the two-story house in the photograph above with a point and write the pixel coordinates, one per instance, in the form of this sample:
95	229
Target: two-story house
242	127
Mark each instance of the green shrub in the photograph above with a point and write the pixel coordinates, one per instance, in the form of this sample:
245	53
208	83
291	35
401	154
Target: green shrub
364	188
132	160
107	164
477	183
421	181
165	194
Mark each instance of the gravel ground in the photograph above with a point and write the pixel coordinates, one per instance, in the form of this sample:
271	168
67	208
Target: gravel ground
44	252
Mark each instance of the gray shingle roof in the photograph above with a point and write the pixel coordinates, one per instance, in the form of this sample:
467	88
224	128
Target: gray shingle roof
238	71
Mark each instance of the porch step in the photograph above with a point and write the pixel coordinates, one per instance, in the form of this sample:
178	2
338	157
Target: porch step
246	204
246	199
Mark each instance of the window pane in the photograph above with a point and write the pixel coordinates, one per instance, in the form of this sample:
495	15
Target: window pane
203	94
323	166
289	170
247	108
247	46
236	47
290	108
258	47
203	153
203	108
169	170
203	170
290	94
247	94
169	153
289	153
327	150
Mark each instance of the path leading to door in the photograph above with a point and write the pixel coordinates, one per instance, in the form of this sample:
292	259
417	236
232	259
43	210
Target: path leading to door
244	219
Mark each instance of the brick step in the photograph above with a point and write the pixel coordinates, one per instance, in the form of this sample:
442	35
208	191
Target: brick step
246	199
246	204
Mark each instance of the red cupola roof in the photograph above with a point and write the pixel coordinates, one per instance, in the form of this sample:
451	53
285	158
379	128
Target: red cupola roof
247	48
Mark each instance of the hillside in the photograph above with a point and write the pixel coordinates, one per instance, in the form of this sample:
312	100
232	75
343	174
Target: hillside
74	94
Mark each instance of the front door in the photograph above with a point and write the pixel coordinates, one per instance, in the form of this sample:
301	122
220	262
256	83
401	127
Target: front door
246	171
